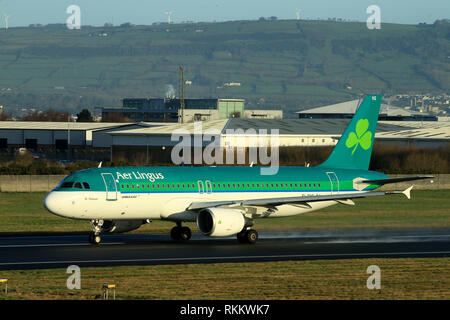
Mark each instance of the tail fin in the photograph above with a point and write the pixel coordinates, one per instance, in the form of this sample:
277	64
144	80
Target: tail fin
354	149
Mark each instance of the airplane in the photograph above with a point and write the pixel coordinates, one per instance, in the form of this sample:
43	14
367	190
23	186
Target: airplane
224	201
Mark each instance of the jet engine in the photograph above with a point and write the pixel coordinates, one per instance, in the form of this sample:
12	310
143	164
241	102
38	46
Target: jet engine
119	226
220	222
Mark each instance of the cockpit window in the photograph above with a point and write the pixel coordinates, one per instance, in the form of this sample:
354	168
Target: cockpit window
78	185
86	185
66	185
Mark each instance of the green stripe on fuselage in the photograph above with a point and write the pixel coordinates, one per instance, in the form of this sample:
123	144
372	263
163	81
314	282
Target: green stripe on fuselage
249	179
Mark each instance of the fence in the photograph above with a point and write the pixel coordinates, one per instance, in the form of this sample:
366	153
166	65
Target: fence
45	183
29	183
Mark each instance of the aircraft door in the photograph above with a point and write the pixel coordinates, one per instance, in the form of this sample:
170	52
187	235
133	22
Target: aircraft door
201	188
208	186
110	184
334	182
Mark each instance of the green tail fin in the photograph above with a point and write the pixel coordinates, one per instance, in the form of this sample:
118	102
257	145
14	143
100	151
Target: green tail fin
354	149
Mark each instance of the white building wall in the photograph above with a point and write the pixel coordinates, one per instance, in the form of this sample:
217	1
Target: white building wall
284	140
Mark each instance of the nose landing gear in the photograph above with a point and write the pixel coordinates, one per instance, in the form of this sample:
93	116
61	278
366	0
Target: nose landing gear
94	236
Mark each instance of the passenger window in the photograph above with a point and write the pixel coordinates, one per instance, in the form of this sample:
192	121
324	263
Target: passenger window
86	185
78	185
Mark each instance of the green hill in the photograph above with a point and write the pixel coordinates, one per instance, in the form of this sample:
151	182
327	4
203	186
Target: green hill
285	64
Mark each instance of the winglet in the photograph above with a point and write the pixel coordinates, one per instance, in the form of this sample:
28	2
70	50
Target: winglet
407	192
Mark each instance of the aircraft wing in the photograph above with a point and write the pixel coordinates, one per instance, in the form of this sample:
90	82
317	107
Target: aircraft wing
273	202
381	182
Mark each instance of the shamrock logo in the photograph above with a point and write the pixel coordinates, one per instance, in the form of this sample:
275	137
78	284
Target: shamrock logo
362	137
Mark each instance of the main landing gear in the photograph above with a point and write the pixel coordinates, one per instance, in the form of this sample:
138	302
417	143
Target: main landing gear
179	233
94	236
247	236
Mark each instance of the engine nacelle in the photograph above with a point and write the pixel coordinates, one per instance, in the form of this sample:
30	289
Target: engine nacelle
119	226
220	222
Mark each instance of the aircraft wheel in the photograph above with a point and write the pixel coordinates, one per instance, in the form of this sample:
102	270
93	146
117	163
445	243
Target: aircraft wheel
248	236
175	233
94	238
180	233
251	236
241	237
185	234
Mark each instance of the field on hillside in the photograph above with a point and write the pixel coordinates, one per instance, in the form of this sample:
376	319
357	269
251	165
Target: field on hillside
276	62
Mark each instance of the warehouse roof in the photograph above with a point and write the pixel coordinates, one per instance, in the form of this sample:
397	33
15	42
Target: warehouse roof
301	126
333	127
170	127
349	107
47	125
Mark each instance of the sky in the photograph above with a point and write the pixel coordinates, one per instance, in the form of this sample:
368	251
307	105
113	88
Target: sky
146	12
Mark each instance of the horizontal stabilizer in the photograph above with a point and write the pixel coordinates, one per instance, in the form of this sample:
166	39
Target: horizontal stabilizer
406	192
381	182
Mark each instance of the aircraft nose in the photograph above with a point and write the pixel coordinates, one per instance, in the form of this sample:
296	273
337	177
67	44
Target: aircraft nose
52	204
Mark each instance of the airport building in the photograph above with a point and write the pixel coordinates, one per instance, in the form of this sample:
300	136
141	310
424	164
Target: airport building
170	110
157	141
102	141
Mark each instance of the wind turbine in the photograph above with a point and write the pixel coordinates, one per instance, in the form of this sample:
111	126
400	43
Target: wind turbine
169	14
297	13
6	21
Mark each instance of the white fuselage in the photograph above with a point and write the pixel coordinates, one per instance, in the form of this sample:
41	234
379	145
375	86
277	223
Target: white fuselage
165	206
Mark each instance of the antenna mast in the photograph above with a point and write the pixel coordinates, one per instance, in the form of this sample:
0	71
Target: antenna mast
6	21
169	14
180	113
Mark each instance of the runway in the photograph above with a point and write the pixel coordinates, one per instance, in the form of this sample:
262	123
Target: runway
155	249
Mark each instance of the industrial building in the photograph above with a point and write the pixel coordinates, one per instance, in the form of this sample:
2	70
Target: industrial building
171	110
346	110
56	140
104	141
233	133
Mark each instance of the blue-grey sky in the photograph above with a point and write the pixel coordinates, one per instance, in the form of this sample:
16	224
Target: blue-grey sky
97	12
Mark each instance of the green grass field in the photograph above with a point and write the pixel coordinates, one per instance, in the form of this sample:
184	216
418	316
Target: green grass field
23	213
292	280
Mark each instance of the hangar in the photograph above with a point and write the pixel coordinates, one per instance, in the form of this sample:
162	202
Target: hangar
55	140
32	134
103	141
232	133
